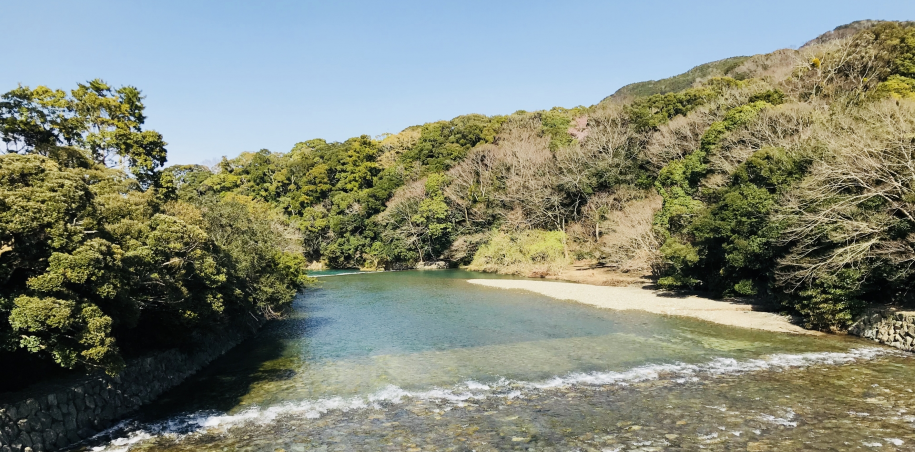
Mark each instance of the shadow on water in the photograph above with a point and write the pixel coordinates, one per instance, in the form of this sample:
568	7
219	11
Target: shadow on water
221	385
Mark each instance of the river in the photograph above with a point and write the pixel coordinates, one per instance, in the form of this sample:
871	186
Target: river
426	361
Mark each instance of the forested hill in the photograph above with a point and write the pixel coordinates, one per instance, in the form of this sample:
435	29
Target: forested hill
720	68
779	175
729	67
784	176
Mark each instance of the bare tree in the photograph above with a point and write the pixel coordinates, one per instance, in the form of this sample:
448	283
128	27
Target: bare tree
401	213
676	139
840	67
844	214
472	185
794	127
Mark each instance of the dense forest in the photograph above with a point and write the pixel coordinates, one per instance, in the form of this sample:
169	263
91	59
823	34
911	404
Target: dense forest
100	260
785	176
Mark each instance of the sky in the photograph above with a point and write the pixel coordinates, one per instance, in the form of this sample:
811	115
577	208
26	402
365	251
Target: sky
225	77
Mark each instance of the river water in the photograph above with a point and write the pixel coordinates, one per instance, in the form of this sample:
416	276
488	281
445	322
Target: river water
426	361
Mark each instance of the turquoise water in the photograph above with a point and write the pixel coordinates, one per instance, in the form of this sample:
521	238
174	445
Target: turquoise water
401	360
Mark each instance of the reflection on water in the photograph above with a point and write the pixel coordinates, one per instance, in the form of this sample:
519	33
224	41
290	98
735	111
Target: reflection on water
423	359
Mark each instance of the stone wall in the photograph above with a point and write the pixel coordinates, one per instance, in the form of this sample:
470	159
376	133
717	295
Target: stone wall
893	328
53	416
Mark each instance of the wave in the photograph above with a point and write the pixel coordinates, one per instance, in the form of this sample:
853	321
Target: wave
339	274
127	433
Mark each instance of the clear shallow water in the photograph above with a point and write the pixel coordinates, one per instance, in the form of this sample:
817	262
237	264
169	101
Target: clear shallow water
426	360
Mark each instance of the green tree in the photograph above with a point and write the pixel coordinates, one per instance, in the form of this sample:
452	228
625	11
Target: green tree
105	123
434	214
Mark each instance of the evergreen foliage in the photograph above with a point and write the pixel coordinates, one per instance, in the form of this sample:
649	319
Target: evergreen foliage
97	264
789	181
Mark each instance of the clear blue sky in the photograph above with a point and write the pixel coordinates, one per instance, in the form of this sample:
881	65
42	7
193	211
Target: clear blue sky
223	77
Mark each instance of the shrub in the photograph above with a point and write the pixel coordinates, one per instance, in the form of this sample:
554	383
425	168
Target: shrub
523	253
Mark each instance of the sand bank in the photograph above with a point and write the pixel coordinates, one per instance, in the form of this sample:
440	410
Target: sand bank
624	298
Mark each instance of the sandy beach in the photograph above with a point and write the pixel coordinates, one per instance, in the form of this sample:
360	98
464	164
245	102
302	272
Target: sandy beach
632	298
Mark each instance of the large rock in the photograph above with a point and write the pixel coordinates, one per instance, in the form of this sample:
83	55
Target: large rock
437	265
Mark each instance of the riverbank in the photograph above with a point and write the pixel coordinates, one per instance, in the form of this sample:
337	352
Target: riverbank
587	273
730	313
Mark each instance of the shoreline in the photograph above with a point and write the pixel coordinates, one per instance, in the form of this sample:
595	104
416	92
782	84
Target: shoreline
629	298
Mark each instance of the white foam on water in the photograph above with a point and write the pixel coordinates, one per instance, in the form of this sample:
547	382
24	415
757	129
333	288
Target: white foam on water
123	443
459	395
475	385
786	421
339	274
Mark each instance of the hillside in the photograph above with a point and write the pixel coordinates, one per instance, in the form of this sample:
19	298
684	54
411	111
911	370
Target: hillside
742	177
720	68
728	67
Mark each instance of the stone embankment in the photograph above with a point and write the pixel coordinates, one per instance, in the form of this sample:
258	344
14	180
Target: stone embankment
53	416
893	328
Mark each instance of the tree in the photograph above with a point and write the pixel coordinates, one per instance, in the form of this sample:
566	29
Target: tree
91	265
105	123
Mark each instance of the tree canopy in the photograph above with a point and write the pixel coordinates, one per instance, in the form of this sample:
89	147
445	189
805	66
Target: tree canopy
99	259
